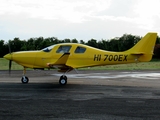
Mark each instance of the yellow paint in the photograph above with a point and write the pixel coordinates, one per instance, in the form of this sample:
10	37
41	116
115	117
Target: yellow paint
141	52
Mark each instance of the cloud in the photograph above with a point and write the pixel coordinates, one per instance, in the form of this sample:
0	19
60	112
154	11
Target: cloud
84	19
70	10
147	12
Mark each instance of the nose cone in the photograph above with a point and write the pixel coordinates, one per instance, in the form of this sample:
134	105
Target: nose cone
8	57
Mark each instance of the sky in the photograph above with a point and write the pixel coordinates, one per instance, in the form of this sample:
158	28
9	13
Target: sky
80	19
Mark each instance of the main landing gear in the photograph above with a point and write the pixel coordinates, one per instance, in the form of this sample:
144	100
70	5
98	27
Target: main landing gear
63	80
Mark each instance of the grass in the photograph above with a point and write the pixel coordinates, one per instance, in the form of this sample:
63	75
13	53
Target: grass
132	66
4	65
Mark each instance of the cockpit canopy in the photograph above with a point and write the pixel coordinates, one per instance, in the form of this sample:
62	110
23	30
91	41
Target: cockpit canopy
65	48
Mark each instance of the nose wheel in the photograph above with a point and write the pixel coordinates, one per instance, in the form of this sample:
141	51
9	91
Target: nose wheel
25	80
63	80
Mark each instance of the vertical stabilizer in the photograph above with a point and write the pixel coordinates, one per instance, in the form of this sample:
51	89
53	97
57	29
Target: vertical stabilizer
146	44
144	48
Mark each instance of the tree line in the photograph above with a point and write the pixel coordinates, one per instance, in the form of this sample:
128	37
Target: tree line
116	44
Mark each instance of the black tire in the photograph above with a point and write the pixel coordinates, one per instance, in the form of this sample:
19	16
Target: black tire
63	80
63	77
25	80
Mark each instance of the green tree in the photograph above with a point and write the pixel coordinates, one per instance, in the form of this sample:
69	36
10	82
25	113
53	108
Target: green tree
102	45
82	42
114	45
3	48
158	40
127	41
38	43
93	43
74	41
31	44
67	41
15	44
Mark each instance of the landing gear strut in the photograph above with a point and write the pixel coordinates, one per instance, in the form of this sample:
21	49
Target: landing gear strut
63	80
24	79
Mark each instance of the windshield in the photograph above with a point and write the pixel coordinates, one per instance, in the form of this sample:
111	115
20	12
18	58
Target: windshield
48	49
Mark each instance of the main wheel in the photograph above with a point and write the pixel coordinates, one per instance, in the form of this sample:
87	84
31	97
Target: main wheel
63	80
25	79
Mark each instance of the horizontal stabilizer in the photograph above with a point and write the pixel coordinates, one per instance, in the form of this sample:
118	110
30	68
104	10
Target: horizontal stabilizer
138	53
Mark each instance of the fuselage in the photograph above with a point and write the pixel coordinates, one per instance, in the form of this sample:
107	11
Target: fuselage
79	56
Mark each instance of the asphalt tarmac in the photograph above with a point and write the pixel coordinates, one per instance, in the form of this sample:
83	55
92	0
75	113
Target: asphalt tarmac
89	95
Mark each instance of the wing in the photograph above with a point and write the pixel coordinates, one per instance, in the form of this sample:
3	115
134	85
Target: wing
63	59
61	63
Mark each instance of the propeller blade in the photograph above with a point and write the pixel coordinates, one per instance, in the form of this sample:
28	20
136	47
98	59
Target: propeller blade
9	48
10	61
10	65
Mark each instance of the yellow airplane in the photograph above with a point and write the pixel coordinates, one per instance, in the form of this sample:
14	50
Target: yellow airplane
69	56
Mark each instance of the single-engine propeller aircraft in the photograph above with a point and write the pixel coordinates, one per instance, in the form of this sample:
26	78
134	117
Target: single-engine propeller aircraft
69	56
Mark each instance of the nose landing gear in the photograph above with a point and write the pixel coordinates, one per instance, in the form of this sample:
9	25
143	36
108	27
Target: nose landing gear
24	79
